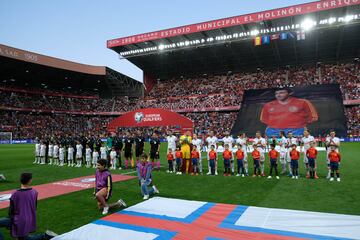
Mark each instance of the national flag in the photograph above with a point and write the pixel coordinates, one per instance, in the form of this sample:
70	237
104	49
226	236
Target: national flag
291	34
265	39
274	36
167	218
283	36
257	41
300	35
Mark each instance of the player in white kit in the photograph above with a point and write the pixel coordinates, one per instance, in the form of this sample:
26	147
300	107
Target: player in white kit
242	140
291	140
229	140
56	154
70	156
198	143
283	151
171	140
61	155
211	140
79	149
42	152
50	153
113	158
37	153
331	141
260	144
88	156
95	158
103	154
306	140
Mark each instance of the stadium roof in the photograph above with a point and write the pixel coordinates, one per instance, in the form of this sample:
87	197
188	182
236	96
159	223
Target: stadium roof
19	68
330	28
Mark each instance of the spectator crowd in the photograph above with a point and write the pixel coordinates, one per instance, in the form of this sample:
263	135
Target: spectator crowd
185	94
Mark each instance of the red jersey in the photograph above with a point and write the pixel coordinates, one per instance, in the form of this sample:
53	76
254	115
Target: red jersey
296	113
227	154
334	157
212	155
311	152
178	154
195	154
294	154
255	154
273	154
239	154
170	157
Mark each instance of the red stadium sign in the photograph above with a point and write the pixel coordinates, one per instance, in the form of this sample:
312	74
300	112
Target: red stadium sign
151	117
234	21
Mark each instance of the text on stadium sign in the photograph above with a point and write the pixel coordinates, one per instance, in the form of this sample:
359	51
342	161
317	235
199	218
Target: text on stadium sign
141	117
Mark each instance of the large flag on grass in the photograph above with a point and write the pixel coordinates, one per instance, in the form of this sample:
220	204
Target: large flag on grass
166	218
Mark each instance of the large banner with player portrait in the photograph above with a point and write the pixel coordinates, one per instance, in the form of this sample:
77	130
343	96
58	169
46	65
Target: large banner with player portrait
318	108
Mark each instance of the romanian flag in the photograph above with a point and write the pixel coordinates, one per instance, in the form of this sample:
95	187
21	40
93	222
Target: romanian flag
257	41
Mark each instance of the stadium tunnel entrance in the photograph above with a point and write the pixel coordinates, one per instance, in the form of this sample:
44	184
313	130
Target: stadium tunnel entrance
151	117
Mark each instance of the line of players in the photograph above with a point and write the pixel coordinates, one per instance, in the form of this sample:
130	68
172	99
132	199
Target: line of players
65	154
284	149
74	152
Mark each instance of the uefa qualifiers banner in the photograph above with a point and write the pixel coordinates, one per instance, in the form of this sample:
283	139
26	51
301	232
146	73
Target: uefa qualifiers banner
318	108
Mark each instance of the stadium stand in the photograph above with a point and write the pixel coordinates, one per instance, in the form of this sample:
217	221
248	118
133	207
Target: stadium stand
193	93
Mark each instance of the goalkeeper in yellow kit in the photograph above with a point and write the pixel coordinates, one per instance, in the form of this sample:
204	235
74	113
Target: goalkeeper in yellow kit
185	141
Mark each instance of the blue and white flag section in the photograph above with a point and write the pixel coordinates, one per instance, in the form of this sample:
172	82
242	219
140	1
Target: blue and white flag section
166	218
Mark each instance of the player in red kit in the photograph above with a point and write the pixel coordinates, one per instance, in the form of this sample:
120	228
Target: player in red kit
273	155
287	113
227	155
195	156
334	158
294	155
311	154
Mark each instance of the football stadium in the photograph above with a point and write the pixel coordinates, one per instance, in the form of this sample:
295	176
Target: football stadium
246	127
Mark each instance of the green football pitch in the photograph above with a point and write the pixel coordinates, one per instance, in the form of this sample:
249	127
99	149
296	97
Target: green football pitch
66	212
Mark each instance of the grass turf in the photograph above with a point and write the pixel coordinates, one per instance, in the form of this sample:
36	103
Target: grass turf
66	212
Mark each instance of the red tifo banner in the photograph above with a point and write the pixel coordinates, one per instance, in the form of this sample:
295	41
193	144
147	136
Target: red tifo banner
63	187
234	21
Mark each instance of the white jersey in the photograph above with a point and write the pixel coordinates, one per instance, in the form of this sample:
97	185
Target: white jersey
79	148
283	142
42	150
228	140
56	151
112	155
103	152
332	141
50	150
37	149
61	153
197	142
70	153
260	144
88	154
171	142
211	141
291	141
242	142
95	156
306	141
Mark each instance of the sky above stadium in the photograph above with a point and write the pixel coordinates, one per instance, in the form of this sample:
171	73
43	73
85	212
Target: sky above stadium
78	30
